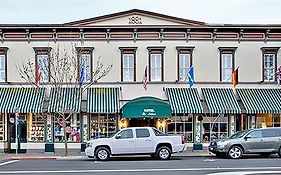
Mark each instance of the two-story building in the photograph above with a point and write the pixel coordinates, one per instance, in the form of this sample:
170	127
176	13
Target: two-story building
139	43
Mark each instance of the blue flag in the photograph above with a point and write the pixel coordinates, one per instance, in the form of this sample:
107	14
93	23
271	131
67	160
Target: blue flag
190	76
81	78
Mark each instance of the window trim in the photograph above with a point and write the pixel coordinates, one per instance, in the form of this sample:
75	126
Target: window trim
156	50
184	50
227	50
269	50
128	50
3	51
85	50
39	50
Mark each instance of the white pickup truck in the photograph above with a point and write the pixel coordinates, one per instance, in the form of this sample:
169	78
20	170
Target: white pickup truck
136	140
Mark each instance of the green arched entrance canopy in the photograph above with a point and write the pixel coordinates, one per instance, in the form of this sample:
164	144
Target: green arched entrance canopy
146	107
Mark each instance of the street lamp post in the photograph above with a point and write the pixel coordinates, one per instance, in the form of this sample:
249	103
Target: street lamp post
16	125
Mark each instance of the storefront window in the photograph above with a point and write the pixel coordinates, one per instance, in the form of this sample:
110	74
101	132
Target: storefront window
181	125
268	120
35	128
2	127
72	129
102	126
214	127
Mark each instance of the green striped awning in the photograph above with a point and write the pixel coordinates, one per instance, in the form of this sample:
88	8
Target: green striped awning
221	101
24	99
65	100
103	100
184	100
261	101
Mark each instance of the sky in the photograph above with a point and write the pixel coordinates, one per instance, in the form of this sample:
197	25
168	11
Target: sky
209	11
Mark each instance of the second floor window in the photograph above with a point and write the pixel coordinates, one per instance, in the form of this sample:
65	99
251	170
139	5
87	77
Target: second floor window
2	67
156	67
42	63
43	66
226	67
85	62
269	67
226	63
128	67
184	61
128	64
269	62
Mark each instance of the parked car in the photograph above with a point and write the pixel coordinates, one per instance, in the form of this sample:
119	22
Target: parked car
264	141
134	141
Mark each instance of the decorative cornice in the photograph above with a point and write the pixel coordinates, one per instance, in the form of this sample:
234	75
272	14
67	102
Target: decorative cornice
190	48
275	49
227	49
5	49
156	48
128	48
81	49
36	49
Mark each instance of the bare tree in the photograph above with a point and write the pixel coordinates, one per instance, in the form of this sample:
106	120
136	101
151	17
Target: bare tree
63	70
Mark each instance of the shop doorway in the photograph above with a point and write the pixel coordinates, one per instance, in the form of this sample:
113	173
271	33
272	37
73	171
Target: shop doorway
22	134
142	122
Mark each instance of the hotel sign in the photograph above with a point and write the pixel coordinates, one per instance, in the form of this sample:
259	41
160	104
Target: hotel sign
148	112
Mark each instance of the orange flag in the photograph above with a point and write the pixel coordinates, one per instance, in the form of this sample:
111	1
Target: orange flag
235	77
37	78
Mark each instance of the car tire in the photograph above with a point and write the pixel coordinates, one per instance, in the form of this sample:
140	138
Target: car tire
279	152
163	153
235	152
102	154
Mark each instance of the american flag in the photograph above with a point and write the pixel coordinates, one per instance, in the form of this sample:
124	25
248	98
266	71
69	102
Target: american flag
278	75
37	78
144	80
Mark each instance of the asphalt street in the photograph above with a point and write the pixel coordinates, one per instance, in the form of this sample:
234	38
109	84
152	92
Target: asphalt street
145	166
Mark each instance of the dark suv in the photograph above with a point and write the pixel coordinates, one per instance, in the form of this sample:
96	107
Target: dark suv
264	141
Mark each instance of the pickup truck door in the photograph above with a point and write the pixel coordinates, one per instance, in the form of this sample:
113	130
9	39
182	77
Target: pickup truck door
123	142
144	141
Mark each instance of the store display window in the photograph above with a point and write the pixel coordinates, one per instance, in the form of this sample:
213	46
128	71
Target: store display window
2	127
181	125
72	130
36	127
214	127
102	126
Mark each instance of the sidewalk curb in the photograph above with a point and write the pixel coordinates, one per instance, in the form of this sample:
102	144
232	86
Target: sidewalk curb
32	158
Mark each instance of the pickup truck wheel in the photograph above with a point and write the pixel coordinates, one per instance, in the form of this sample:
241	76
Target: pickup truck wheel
163	153
279	152
235	152
102	154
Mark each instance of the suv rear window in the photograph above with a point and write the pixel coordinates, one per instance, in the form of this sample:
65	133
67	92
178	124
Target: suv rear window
142	133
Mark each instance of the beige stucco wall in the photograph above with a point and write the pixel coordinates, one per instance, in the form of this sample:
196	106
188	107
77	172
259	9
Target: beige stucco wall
248	57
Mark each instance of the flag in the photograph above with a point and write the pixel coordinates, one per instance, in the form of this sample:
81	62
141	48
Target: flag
81	78
278	75
235	77
144	80
190	76
37	78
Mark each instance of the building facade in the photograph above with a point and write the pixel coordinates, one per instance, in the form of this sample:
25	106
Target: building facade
141	45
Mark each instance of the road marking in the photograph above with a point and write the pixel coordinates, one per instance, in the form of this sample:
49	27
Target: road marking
136	170
245	173
9	162
209	160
